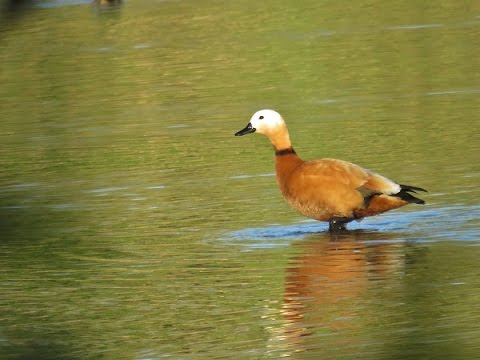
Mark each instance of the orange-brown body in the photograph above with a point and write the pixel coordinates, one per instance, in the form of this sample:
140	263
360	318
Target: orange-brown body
328	189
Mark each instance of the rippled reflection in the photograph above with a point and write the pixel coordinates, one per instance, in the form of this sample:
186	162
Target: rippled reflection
327	284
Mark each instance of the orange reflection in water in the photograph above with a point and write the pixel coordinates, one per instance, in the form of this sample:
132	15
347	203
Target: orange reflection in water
327	285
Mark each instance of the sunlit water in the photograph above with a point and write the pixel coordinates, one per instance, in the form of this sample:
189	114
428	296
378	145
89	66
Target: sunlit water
135	226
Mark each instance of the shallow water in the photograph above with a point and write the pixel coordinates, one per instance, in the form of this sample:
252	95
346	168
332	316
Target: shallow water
135	226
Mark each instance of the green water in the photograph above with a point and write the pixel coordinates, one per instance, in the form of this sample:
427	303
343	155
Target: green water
134	225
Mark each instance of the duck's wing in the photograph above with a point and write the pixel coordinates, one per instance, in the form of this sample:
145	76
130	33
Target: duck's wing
353	189
350	175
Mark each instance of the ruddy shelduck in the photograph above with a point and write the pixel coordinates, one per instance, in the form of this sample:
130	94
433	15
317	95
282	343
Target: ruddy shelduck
330	190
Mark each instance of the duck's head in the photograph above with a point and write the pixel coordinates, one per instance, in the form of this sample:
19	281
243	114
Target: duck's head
266	122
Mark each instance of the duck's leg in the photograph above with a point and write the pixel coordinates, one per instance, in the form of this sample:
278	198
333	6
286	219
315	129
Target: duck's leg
338	224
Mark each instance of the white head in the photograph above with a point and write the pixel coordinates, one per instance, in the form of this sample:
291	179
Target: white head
265	122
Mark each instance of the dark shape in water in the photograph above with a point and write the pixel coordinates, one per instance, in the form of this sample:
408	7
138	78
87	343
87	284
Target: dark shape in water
12	9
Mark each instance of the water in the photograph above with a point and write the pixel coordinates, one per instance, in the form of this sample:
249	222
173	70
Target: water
135	226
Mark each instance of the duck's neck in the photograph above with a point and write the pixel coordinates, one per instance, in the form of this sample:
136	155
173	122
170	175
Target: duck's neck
287	151
280	139
286	159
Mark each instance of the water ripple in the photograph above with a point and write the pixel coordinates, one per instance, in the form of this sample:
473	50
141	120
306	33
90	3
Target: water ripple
455	223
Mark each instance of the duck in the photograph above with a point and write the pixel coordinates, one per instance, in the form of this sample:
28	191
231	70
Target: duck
328	190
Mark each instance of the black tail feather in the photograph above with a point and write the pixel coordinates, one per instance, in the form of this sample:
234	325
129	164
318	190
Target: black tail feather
405	194
412	188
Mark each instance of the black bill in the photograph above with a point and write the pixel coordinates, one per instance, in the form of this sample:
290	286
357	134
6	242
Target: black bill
248	129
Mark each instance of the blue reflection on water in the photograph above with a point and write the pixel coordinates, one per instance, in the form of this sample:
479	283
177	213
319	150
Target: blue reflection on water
456	223
59	3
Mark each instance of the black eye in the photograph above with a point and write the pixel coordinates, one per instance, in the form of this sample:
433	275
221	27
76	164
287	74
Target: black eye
261	117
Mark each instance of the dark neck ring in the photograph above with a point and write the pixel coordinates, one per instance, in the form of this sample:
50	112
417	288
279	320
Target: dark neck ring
287	151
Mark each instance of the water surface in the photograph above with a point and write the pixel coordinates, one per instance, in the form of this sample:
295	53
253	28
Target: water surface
135	226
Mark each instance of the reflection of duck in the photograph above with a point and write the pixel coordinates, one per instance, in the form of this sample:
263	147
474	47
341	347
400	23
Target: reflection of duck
327	284
328	189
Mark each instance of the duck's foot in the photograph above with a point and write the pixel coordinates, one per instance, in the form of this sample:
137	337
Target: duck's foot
338	224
